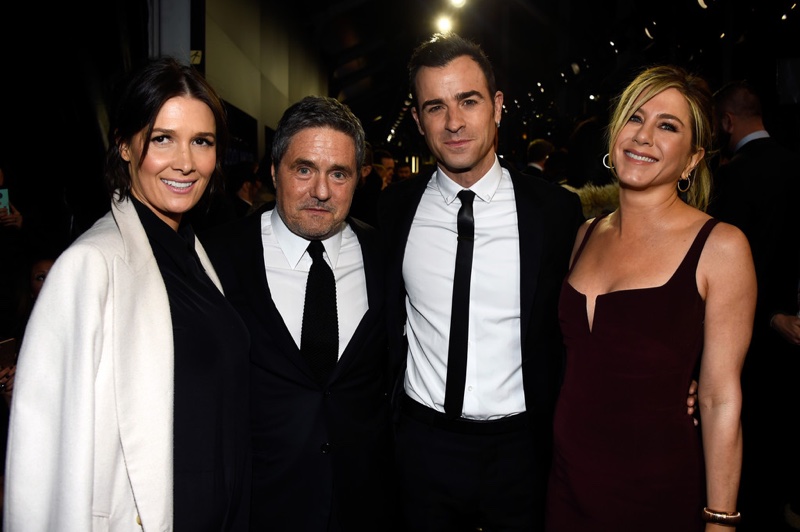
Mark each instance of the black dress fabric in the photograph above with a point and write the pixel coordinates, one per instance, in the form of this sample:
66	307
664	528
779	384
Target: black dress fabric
627	457
211	426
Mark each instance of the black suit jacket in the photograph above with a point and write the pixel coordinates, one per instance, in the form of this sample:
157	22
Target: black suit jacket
548	218
758	191
318	450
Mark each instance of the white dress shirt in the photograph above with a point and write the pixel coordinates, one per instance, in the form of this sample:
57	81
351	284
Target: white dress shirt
494	354
287	263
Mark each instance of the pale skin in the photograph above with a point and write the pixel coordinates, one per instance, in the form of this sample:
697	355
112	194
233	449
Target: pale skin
641	244
315	182
458	118
180	160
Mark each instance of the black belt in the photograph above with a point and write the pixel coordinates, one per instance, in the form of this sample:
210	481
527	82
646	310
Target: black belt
431	417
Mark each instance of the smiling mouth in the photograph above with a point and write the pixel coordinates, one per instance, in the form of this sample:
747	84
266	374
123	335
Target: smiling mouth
178	184
642	158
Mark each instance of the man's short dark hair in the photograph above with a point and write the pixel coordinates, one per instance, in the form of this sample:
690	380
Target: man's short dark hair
439	51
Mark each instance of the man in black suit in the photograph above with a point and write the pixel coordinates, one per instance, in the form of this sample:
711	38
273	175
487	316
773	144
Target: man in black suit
757	190
486	466
321	442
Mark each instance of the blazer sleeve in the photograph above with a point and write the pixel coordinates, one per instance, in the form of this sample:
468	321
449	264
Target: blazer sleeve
50	457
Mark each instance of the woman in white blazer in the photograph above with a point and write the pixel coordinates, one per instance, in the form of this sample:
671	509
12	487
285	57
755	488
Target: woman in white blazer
130	401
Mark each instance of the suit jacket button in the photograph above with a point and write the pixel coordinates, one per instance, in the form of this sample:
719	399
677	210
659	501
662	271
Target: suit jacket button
325	448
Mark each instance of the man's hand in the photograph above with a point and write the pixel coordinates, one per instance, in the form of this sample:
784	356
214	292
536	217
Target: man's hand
691	401
787	326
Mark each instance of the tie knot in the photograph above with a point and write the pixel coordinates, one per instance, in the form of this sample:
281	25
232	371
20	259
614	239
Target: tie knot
466	196
315	249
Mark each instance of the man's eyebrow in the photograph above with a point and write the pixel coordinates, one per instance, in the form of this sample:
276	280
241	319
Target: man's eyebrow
459	97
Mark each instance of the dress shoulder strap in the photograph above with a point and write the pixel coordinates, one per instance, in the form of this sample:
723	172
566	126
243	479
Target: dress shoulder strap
693	255
586	239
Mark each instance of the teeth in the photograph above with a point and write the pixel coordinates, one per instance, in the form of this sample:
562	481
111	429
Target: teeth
640	157
176	184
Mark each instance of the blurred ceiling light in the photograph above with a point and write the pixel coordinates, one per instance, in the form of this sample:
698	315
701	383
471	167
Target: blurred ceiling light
458	3
647	32
444	24
702	4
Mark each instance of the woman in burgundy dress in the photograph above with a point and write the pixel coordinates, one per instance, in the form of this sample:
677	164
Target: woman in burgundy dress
656	290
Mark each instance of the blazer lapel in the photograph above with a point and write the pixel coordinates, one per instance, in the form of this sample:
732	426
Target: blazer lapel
531	226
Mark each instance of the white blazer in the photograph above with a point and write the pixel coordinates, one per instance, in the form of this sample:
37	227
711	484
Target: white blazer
91	427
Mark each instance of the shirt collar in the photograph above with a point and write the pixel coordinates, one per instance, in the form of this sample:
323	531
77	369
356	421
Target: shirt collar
760	134
293	246
485	188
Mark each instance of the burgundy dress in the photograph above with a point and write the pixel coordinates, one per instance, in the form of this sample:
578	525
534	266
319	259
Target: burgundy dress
627	456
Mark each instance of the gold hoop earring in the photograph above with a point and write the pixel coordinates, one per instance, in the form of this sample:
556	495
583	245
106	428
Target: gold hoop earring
605	162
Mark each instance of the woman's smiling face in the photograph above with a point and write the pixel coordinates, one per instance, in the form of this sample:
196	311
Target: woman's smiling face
655	145
181	158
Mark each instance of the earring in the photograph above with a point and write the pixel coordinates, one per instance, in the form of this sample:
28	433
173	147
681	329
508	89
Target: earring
605	162
688	180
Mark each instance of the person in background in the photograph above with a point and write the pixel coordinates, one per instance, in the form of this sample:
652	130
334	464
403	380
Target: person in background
384	162
245	187
539	150
14	245
321	430
655	288
483	464
402	171
130	402
365	199
757	190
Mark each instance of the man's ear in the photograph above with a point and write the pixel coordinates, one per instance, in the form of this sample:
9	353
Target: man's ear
727	122
416	119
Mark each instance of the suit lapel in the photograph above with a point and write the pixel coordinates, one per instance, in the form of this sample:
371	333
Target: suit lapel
255	288
531	237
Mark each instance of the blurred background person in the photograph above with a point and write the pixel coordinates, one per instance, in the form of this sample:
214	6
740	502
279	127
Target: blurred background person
536	155
244	187
365	199
757	188
384	162
402	171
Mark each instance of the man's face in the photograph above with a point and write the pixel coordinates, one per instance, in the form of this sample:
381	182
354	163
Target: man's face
388	167
315	182
404	172
458	118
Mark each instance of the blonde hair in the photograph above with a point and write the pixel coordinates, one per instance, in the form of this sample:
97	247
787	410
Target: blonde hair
654	81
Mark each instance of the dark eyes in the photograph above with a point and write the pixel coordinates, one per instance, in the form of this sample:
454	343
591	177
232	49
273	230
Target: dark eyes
665	125
202	141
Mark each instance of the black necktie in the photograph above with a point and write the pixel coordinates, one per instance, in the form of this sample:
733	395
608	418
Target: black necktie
319	339
459	316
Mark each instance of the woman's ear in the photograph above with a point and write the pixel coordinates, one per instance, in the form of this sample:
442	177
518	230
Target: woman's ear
125	152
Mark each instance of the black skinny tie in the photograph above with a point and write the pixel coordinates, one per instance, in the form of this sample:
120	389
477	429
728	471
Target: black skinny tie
319	339
459	316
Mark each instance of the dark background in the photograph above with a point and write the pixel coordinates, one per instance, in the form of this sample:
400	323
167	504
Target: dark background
59	62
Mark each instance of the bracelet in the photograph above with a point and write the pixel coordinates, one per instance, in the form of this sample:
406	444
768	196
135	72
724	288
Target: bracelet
721	518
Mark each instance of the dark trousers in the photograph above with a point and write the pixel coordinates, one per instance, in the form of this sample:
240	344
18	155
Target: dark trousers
461	476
